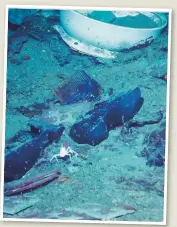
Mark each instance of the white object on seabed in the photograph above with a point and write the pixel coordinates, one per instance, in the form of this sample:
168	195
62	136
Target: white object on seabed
91	33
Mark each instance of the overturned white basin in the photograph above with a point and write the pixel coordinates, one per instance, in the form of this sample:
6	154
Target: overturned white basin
103	33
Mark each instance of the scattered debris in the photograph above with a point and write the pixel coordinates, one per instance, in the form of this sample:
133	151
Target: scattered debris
78	88
31	184
20	159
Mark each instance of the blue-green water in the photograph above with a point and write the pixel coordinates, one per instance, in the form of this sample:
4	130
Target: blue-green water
111	176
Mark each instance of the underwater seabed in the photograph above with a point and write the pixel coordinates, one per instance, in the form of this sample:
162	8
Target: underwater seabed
116	179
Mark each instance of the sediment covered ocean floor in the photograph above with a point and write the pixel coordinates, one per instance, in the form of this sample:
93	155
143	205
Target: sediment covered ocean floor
111	174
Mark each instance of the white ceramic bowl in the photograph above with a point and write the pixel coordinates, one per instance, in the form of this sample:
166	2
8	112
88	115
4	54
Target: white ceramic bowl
87	34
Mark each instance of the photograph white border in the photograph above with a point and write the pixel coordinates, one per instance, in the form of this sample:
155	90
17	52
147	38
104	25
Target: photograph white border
167	113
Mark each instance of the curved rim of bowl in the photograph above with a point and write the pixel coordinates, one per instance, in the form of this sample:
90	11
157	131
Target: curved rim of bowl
84	47
122	27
